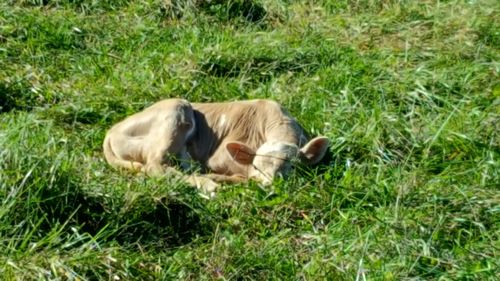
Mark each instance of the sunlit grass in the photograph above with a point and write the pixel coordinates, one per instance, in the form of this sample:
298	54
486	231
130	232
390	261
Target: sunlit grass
407	92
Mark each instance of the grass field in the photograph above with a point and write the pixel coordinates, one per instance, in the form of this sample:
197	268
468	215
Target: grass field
407	91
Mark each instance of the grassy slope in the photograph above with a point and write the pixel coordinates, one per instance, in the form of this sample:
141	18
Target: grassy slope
407	91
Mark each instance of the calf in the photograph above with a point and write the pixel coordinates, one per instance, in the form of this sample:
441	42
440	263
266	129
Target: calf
255	139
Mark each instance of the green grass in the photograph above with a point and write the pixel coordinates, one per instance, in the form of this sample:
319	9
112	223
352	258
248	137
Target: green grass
407	91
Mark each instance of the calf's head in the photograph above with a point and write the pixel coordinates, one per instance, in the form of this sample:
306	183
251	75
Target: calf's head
275	158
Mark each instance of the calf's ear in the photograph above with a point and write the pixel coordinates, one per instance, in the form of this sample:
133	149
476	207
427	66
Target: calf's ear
240	152
313	151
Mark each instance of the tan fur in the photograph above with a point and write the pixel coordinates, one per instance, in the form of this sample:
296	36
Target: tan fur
250	139
146	140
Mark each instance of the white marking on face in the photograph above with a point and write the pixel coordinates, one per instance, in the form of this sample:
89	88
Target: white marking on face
289	150
273	159
222	120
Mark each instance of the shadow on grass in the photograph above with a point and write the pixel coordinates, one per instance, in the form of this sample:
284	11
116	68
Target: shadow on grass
145	221
20	95
172	223
16	96
260	68
79	5
100	112
224	10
